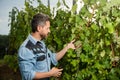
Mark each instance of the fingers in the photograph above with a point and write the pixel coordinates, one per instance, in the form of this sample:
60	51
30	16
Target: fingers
72	41
71	44
56	72
60	69
59	74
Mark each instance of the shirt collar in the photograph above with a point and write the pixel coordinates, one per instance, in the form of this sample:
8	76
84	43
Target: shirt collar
32	39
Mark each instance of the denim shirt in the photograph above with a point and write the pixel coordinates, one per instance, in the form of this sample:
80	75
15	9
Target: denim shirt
34	59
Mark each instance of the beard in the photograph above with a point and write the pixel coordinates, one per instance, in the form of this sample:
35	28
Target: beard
43	36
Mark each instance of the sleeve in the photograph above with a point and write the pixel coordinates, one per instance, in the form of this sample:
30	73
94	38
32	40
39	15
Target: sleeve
26	61
53	57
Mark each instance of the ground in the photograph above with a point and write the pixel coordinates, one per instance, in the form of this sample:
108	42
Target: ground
8	74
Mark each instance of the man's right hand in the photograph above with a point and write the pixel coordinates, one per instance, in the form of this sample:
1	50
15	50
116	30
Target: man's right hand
55	72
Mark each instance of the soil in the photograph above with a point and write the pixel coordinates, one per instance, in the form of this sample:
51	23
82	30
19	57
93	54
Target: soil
8	74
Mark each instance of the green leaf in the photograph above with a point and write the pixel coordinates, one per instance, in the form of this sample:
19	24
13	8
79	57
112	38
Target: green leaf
110	4
102	54
73	36
94	27
94	77
74	8
58	3
110	27
107	42
74	63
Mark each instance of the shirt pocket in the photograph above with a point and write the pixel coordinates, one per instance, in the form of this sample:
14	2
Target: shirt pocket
41	63
41	58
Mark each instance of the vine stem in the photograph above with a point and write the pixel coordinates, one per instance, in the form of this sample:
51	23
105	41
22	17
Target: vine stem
113	54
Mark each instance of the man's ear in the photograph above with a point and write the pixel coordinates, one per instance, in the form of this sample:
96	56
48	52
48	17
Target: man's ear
39	28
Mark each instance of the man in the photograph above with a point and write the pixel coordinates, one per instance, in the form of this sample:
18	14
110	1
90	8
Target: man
34	57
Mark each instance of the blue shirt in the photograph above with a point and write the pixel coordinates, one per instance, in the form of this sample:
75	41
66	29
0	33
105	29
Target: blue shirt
33	58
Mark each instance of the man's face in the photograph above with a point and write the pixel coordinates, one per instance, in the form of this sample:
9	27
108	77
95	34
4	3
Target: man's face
45	30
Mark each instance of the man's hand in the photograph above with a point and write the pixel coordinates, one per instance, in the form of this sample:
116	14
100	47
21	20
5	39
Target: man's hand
71	45
55	72
61	53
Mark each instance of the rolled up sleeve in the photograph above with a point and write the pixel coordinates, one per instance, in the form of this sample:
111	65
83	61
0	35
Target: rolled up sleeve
26	63
53	57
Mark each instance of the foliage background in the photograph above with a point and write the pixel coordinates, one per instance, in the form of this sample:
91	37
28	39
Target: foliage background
96	30
4	42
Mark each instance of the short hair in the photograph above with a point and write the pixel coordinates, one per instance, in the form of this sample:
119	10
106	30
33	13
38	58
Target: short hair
39	19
